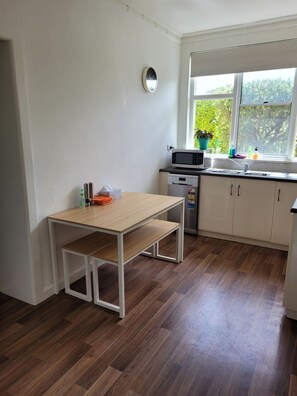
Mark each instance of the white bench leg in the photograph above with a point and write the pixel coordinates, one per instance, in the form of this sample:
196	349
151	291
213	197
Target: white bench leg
95	265
121	275
68	290
121	290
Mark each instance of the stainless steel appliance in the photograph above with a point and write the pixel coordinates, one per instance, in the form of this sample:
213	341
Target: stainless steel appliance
191	159
186	186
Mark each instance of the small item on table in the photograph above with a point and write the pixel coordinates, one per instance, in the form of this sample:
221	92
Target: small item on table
87	196
109	191
82	201
91	194
101	200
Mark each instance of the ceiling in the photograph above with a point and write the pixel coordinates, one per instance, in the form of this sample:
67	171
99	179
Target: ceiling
184	17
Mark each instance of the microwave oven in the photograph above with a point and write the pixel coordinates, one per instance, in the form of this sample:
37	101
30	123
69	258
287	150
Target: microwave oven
192	159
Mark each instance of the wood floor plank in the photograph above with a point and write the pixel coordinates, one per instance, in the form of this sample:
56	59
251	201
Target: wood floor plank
143	382
104	382
141	359
293	385
118	349
84	365
211	325
75	390
14	370
38	380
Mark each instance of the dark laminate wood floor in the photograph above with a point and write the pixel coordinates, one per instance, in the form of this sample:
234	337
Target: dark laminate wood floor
212	325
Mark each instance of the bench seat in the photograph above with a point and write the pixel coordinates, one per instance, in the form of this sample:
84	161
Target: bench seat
84	247
136	242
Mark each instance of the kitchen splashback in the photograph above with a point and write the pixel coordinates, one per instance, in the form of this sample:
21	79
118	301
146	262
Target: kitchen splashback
261	164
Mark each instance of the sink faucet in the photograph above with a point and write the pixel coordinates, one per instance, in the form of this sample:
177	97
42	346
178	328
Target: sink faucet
243	166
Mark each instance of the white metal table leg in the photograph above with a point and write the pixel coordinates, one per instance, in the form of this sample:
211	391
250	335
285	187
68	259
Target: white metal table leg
53	255
180	234
121	275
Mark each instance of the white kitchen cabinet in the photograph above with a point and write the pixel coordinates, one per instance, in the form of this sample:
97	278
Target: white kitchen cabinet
216	207
256	209
236	206
253	209
285	195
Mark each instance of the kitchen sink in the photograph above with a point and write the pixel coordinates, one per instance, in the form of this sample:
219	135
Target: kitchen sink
238	172
231	171
255	173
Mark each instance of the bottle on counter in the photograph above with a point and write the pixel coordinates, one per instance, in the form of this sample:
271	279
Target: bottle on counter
250	152
256	154
232	151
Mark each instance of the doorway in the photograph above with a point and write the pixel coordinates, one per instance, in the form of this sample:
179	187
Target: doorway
15	267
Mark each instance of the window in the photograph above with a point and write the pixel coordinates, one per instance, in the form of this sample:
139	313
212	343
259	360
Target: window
254	109
213	100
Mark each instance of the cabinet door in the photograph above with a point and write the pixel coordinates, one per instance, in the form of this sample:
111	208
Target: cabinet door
216	204
285	195
253	210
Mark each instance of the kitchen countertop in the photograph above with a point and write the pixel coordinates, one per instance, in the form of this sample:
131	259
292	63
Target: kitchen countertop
262	175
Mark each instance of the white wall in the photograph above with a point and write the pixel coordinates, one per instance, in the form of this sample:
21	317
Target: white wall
89	118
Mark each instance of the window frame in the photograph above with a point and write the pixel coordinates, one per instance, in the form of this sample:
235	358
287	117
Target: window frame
236	105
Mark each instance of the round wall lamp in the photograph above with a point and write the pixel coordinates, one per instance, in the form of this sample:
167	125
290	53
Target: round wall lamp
149	79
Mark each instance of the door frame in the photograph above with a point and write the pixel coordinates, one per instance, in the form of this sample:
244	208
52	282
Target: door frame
14	40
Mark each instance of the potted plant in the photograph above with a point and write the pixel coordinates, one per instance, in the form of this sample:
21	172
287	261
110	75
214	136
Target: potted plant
203	138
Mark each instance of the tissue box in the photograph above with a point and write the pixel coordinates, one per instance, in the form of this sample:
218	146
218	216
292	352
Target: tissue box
108	191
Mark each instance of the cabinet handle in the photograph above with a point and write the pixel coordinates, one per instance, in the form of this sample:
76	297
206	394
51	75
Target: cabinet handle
231	190
238	190
278	196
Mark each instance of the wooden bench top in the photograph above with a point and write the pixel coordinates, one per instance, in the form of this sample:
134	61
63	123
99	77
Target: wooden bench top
90	243
137	241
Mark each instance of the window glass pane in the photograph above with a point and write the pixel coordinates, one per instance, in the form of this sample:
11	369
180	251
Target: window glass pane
274	86
265	127
219	84
214	115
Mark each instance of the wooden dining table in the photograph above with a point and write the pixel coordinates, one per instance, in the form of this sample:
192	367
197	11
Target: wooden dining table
125	214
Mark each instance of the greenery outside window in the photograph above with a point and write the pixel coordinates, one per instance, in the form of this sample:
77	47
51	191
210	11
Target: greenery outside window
248	110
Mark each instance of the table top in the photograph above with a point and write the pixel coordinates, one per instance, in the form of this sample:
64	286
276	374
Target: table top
122	215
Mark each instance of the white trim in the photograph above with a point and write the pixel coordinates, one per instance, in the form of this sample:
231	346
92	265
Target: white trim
149	19
254	27
235	108
213	96
243	240
191	109
292	125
